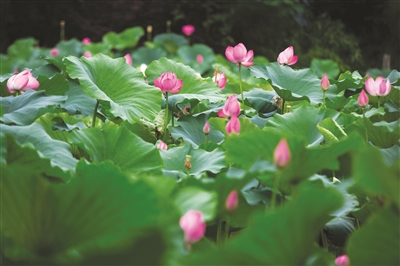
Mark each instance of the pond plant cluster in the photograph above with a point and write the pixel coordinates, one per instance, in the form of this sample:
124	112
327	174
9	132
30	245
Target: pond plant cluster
169	154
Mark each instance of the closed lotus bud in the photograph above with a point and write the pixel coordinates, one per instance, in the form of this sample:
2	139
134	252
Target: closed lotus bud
87	54
282	154
86	40
342	260
325	83
22	82
232	201
193	226
168	82
206	128
231	107
188	30
362	99
233	126
199	58
220	79
162	146
54	52
128	59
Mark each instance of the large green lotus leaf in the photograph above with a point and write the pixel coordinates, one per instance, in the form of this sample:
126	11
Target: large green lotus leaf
34	135
338	230
17	156
201	160
325	66
331	130
391	155
348	80
302	122
114	81
22	48
291	85
272	239
145	55
78	101
189	57
96	48
264	102
170	41
56	85
377	242
194	87
126	39
117	144
394	76
72	47
194	198
98	208
25	108
190	129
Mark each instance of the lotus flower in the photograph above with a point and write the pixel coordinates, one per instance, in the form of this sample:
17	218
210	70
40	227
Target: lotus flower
233	126
206	128
22	82
231	107
342	260
86	40
232	201
54	52
220	79
87	54
193	226
287	57
199	58
282	154
325	83
239	55
128	59
362	99
162	146
378	87
188	30
168	82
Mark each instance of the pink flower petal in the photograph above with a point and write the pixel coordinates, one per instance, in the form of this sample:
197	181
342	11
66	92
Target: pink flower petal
229	54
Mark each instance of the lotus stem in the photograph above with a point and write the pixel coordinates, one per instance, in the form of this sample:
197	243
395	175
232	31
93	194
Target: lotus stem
323	100
241	89
379	102
365	124
283	106
276	185
166	117
95	113
205	141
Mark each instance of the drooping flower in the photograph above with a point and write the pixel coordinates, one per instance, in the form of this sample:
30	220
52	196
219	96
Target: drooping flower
378	87
231	107
199	58
193	226
239	55
325	83
232	201
362	99
188	30
282	154
54	52
87	54
162	146
287	57
233	126
22	82
168	82
128	59
86	40
206	128
342	260
220	79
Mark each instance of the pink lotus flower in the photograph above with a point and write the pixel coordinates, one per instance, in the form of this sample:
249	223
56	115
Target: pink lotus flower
239	55
220	79
342	260
86	40
22	82
232	201
193	226
233	126
199	58
87	54
188	30
287	57
206	128
282	154
378	87
362	99
168	82
162	146
231	107
54	52
128	59
325	83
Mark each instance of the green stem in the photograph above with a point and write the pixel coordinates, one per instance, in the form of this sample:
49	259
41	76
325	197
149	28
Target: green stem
276	185
241	89
205	141
16	93
95	113
283	106
226	229
324	104
379	102
365	124
166	117
220	234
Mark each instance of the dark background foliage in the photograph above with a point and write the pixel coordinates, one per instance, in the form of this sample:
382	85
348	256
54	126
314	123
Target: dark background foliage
354	33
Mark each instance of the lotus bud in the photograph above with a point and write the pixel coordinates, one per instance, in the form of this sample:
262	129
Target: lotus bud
233	126
342	260
54	52
232	201
325	83
162	146
362	99
199	58
86	41
188	30
206	128
193	226
87	54
282	154
128	59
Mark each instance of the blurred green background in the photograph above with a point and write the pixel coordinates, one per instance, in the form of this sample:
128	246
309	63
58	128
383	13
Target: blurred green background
354	33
